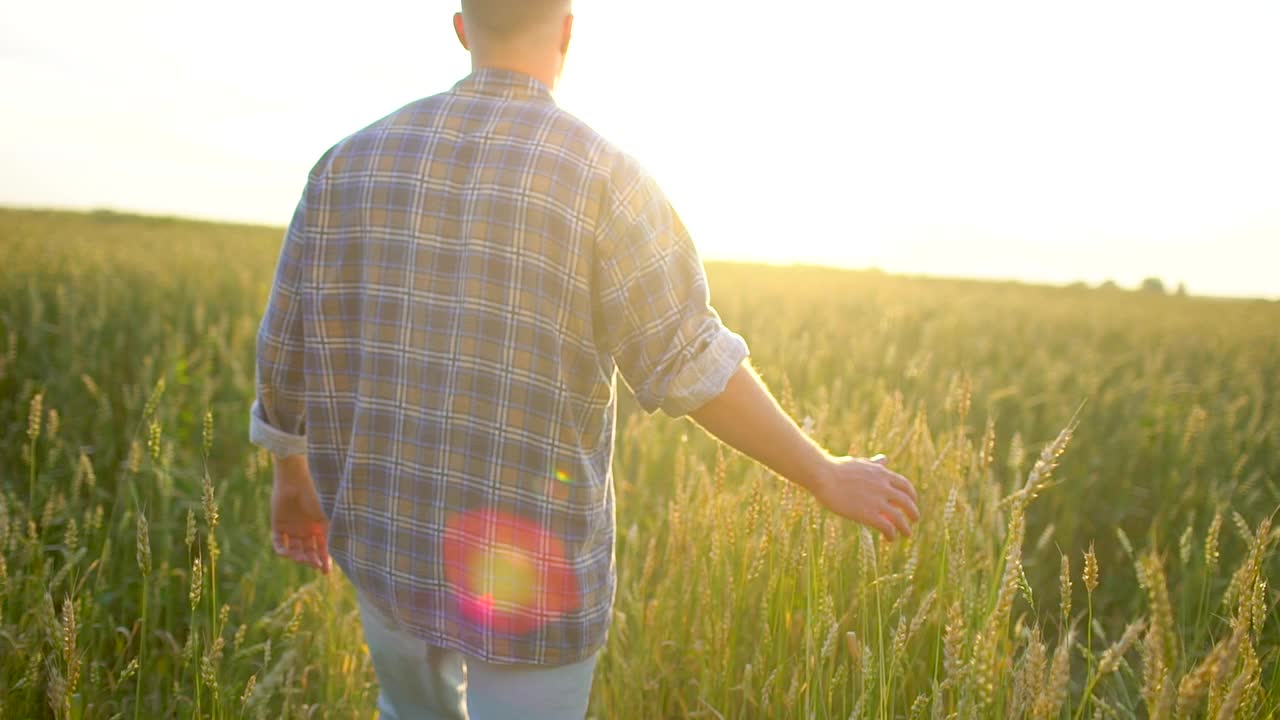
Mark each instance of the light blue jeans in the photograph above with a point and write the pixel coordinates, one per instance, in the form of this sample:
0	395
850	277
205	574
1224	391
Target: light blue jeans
419	681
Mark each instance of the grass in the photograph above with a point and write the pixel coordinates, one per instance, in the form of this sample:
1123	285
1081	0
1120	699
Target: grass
136	576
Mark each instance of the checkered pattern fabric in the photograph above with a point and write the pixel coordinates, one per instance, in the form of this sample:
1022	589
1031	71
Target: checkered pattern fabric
459	287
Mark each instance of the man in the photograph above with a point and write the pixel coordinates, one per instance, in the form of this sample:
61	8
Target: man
458	288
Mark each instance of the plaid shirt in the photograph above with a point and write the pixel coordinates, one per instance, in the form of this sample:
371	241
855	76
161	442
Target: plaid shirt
458	288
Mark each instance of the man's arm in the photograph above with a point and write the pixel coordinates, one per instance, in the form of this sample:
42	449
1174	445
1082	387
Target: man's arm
299	528
657	322
652	303
748	418
277	420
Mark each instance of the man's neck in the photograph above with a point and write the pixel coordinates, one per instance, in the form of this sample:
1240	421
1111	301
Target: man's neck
547	73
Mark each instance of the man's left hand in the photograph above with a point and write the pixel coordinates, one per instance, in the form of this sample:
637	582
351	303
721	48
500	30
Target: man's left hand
299	528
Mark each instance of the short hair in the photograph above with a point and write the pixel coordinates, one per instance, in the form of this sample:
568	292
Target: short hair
508	18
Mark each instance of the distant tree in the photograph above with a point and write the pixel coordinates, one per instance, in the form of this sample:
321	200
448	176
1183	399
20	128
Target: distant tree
1109	285
1153	285
1182	289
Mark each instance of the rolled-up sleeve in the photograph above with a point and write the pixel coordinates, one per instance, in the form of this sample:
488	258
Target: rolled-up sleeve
277	420
653	302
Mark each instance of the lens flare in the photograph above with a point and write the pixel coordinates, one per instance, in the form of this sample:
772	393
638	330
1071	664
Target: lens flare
504	576
507	573
563	476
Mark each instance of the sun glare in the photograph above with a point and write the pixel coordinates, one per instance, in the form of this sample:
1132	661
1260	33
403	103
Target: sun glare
997	139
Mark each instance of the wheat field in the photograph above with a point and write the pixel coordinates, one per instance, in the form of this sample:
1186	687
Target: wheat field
1098	472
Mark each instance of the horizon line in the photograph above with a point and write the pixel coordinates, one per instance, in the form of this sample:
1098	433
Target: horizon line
195	218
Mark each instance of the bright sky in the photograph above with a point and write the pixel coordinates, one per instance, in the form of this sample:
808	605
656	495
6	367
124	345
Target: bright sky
1048	142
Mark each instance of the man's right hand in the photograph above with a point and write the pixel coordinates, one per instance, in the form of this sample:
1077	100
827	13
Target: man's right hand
867	492
747	417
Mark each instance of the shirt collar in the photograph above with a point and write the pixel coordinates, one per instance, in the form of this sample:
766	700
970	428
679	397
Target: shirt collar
504	85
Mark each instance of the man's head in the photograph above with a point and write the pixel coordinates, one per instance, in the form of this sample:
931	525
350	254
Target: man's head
529	36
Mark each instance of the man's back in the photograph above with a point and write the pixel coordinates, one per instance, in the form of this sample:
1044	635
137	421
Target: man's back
457	291
454	292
